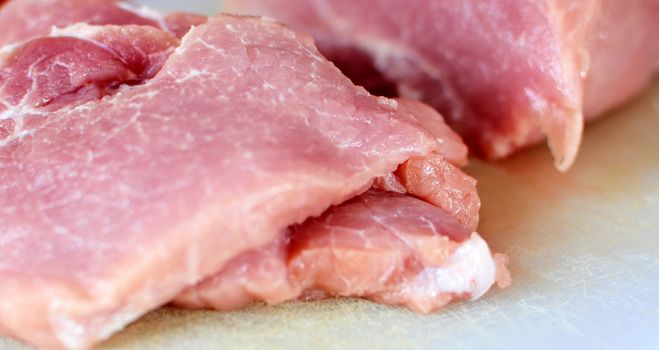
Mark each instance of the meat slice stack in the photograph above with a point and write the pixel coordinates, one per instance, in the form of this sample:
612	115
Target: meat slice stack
506	73
384	245
133	166
392	248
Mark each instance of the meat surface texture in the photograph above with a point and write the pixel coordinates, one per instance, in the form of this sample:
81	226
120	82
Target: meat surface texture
505	73
112	206
27	19
384	246
436	177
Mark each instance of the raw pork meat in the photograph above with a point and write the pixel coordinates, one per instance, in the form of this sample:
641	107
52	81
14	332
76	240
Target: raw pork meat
385	246
388	247
112	207
505	73
26	19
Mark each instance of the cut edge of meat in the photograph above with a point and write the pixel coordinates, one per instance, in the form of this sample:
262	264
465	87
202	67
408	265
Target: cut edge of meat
563	128
334	255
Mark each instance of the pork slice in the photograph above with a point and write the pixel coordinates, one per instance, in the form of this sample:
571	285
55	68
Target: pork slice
506	74
27	19
112	207
383	246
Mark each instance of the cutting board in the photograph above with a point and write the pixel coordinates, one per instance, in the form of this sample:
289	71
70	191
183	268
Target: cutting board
584	250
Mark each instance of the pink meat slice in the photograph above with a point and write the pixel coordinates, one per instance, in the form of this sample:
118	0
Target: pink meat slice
112	207
27	19
383	246
506	74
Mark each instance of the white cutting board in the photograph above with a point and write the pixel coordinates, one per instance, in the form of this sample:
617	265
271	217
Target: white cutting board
585	262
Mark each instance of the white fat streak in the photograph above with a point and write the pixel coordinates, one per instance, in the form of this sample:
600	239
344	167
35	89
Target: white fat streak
8	48
68	332
80	30
146	12
470	270
388	102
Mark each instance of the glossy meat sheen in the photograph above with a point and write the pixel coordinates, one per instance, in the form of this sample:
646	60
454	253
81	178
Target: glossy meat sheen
109	209
27	19
505	73
384	246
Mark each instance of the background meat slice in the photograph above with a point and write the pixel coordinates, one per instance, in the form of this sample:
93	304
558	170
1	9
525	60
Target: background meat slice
27	19
75	65
111	208
179	23
506	74
384	246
